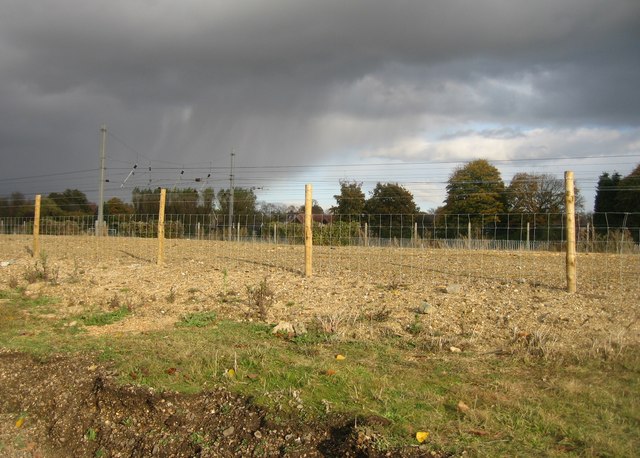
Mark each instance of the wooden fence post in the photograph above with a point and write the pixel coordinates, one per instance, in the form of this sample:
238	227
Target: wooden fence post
308	231
163	198
570	201
36	227
366	234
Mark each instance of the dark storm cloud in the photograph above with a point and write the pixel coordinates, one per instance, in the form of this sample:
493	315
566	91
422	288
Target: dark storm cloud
288	81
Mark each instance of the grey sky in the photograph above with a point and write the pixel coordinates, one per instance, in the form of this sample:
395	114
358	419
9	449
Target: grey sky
291	82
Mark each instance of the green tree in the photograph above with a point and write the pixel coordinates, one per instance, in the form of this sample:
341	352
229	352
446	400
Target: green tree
316	209
391	211
539	193
606	204
146	202
476	189
4	207
73	202
628	196
182	201
628	201
15	206
207	196
244	201
539	199
116	206
351	200
48	207
273	211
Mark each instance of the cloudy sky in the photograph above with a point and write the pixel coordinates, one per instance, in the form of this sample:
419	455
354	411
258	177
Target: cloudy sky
314	92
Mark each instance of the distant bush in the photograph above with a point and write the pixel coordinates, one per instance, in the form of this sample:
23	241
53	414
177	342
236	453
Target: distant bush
63	227
340	233
615	241
172	229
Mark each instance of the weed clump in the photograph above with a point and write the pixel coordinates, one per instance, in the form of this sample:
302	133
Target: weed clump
416	327
103	319
114	302
41	271
381	315
197	320
261	298
171	297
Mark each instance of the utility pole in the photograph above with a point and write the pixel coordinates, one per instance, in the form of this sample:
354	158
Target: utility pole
103	147
231	192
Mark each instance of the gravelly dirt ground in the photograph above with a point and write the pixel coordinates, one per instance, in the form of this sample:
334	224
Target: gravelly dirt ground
69	397
481	297
474	300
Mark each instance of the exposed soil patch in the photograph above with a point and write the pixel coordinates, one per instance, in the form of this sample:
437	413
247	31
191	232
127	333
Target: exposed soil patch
71	406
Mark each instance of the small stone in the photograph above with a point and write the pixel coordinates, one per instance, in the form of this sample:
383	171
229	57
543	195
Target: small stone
453	288
33	289
284	327
229	431
455	350
299	329
258	435
424	308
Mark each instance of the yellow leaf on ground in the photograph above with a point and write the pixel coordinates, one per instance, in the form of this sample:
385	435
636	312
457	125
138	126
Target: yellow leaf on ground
20	422
421	436
231	373
462	407
341	357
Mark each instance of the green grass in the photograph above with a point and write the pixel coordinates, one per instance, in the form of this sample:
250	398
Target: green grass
104	318
197	319
519	406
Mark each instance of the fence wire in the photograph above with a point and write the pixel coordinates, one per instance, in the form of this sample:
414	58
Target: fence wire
384	248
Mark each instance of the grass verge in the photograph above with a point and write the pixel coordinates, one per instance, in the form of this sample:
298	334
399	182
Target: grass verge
486	405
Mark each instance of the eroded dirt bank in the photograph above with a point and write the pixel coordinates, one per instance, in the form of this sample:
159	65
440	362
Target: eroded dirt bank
71	406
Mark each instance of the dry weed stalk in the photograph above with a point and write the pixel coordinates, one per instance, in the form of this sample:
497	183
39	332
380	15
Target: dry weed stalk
609	348
540	342
261	298
338	322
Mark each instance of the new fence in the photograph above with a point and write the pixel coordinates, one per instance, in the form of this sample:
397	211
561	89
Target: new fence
544	232
383	249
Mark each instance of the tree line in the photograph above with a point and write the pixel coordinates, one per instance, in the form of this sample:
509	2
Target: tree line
475	189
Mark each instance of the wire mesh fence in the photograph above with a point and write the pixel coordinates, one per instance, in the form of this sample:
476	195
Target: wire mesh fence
393	244
546	232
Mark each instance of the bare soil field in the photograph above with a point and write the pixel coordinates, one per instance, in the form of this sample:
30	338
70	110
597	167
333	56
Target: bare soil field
483	302
469	299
